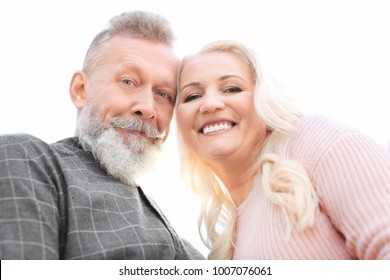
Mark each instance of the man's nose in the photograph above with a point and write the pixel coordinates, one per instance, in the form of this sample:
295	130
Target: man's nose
144	105
212	102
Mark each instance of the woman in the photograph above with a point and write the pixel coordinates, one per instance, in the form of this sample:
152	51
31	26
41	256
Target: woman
275	184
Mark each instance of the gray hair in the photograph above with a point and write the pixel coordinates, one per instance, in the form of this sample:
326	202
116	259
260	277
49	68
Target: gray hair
135	24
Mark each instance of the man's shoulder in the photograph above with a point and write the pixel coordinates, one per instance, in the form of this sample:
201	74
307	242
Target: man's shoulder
16	139
21	142
27	145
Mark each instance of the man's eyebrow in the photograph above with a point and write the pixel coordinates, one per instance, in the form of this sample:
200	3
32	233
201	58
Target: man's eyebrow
134	67
130	66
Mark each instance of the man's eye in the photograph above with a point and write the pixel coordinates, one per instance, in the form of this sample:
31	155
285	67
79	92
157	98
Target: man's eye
127	82
191	97
232	90
163	94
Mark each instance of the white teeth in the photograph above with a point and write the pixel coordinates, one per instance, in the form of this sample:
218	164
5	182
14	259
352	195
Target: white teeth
216	127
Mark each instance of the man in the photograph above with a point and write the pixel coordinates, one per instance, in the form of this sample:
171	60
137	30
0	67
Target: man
78	198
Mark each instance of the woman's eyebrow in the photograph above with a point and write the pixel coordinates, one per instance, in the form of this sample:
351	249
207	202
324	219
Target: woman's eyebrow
189	85
230	76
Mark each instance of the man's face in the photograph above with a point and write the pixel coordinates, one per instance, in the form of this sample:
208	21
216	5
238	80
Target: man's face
126	105
134	78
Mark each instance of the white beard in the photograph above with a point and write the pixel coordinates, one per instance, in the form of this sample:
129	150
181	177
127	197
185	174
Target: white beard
124	159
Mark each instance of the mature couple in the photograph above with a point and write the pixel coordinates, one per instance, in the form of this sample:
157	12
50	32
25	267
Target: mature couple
274	183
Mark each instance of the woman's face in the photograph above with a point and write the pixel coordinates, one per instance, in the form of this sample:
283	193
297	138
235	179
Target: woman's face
215	112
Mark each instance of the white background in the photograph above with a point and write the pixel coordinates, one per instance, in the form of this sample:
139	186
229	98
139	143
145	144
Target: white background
332	56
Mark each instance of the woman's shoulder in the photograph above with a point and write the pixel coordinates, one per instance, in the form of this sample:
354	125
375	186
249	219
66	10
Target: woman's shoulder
320	126
319	131
315	136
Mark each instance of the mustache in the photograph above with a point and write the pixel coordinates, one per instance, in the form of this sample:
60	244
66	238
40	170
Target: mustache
136	124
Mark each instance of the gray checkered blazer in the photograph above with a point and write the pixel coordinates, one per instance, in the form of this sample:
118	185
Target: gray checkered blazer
57	203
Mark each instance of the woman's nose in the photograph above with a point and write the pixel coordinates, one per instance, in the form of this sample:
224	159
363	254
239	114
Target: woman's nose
212	102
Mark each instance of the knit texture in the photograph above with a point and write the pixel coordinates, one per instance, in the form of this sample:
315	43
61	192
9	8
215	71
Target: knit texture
351	174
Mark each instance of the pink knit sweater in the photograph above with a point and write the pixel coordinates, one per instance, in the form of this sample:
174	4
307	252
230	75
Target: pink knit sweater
351	174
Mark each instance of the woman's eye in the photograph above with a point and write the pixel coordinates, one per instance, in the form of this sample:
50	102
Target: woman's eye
191	97
232	90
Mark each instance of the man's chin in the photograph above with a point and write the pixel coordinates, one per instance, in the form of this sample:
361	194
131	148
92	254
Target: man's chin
124	161
124	156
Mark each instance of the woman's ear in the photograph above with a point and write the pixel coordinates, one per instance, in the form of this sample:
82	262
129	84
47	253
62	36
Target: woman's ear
78	89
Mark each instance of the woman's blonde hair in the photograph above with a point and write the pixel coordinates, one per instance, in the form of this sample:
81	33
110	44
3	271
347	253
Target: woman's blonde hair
285	182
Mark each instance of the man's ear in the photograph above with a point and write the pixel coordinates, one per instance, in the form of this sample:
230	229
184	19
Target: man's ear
78	89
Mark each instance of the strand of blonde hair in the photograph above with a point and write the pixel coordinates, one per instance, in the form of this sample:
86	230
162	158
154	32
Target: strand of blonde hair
287	185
